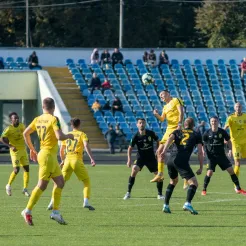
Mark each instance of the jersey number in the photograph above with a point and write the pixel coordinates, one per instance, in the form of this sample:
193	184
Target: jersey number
71	145
41	132
184	139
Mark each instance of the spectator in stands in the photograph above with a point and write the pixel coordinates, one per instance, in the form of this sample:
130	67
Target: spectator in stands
106	106
152	58
95	57
201	128
105	57
117	105
243	67
1	64
95	83
106	85
121	136
96	106
163	58
117	57
110	135
146	58
33	61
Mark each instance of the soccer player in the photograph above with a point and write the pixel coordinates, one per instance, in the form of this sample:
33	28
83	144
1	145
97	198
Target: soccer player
173	112
213	140
236	122
49	132
144	139
178	163
12	136
71	153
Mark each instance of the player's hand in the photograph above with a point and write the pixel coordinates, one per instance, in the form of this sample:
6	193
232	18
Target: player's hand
34	155
199	171
230	153
61	164
93	163
155	112
13	148
129	163
179	127
163	154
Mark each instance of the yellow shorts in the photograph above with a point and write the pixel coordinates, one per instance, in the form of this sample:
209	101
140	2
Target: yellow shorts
19	158
76	166
167	135
238	150
48	165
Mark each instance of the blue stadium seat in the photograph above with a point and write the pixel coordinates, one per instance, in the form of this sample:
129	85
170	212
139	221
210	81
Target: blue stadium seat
69	61
197	62
232	62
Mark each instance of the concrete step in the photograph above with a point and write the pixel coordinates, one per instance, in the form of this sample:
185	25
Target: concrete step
68	86
70	96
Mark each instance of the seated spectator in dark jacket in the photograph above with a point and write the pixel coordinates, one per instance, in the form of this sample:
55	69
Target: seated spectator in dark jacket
106	106
106	85
111	135
33	61
152	58
95	57
243	67
121	136
117	57
95	83
105	57
163	58
1	64
146	58
117	105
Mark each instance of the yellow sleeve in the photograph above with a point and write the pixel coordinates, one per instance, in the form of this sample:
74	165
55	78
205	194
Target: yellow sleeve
33	124
84	137
63	143
5	132
56	124
228	121
178	101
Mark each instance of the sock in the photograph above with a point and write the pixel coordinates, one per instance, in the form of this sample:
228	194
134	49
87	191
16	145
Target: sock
56	194
25	179
159	186
86	201
235	180
12	178
206	182
160	167
131	183
169	193
237	170
36	193
190	193
87	188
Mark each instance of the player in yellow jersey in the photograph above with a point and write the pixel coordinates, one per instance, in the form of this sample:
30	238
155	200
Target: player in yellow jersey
173	112
49	132
12	136
71	153
236	122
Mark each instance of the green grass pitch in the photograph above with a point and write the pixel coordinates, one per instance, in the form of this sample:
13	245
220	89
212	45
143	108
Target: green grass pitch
138	221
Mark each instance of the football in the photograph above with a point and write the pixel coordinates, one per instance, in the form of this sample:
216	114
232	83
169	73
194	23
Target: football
147	79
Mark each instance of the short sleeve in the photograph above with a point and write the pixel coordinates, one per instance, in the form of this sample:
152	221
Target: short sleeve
205	137
84	137
155	137
33	124
199	138
133	141
179	102
226	135
228	121
176	133
56	124
5	133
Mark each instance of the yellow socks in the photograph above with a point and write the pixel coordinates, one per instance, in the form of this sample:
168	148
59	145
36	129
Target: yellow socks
160	167
237	170
56	196
12	177
87	188
36	193
25	179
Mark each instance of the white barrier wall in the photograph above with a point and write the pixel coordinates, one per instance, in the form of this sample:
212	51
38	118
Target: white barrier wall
57	56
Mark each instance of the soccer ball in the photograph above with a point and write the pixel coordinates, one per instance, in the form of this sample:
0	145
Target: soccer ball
147	79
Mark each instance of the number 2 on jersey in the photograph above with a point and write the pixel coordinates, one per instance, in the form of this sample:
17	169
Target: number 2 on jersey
184	139
71	145
41	132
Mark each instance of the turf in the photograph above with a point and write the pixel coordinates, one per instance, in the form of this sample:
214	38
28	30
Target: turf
138	221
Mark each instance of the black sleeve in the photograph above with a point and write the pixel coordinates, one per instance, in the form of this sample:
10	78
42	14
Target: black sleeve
133	141
175	133
155	137
205	137
226	135
199	138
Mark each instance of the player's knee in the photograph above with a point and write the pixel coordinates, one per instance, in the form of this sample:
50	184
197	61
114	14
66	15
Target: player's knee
16	170
230	170
26	168
174	181
135	170
209	173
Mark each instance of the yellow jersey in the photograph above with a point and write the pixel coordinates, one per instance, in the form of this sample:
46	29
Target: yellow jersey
46	125
237	125
75	148
172	113
15	136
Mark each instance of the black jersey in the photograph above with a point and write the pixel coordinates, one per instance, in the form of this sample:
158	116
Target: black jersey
145	144
214	142
186	140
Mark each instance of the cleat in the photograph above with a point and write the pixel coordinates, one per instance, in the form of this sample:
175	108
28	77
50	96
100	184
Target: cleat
157	178
50	206
89	207
58	218
243	192
188	207
161	197
8	190
166	209
204	193
27	217
127	196
236	190
26	193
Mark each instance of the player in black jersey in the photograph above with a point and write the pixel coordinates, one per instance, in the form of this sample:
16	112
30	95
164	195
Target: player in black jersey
178	163
214	139
144	140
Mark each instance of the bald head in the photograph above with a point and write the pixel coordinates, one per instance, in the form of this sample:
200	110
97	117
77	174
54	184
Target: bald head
238	108
189	123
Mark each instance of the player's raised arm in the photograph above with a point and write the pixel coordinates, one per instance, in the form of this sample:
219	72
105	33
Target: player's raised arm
180	108
159	117
167	145
200	158
88	151
61	136
129	156
27	137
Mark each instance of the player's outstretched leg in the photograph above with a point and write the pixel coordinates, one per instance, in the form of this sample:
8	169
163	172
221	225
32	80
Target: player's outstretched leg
235	180
87	192
159	177
206	182
11	180
25	180
159	186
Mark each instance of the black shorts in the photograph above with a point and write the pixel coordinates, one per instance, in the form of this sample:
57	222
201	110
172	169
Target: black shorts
222	161
181	166
150	164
